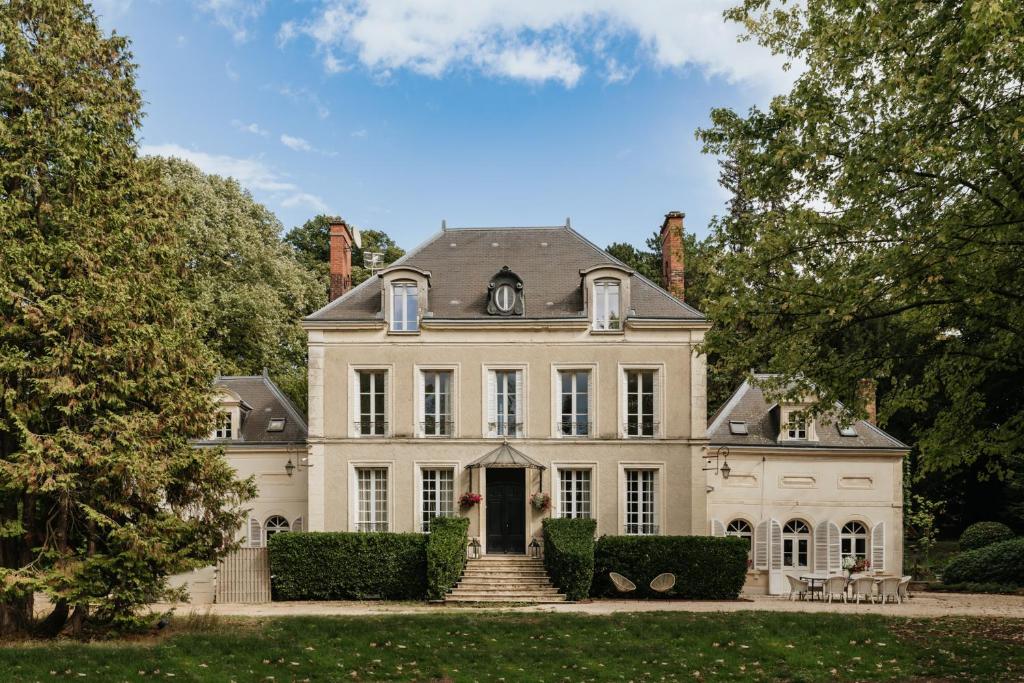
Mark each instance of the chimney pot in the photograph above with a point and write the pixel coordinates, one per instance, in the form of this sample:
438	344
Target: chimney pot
867	390
673	261
341	258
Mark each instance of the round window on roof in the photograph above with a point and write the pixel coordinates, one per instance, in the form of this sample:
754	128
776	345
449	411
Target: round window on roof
505	298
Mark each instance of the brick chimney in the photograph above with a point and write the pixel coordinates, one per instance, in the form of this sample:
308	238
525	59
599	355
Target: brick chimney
341	259
866	391
673	264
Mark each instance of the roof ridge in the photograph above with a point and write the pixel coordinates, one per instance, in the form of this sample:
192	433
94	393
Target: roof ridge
505	227
726	408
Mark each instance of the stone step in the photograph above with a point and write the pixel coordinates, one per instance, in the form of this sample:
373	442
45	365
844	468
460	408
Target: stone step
480	599
541	581
497	573
496	592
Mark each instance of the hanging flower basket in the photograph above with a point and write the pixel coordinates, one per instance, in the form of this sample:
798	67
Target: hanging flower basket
468	500
540	501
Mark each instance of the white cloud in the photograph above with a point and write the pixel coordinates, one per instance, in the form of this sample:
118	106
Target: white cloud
361	133
237	16
295	143
253	128
303	96
253	174
535	40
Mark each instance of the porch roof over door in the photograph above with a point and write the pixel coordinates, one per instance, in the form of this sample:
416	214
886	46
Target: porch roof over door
505	456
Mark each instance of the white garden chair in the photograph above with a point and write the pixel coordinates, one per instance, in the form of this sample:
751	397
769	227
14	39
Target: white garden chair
889	588
798	587
904	588
663	583
835	586
863	587
621	583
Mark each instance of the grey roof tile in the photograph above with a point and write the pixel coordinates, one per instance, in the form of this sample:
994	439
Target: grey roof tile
267	401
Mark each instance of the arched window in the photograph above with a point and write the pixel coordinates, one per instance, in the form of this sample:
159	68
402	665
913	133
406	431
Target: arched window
796	544
853	540
740	528
275	524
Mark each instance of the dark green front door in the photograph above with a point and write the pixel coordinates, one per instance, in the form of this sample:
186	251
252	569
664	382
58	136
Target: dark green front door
506	510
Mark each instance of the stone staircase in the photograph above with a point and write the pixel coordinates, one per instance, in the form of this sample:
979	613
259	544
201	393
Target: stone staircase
504	578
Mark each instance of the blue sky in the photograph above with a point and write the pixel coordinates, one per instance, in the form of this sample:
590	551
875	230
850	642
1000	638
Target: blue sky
401	113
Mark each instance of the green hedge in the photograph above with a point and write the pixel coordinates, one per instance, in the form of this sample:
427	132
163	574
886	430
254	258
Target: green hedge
348	566
706	567
569	555
1001	563
446	554
981	534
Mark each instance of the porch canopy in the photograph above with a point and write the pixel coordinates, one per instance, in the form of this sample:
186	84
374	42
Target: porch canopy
505	456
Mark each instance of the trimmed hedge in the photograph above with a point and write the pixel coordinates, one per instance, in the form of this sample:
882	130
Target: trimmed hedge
446	554
706	567
1001	563
348	566
981	534
569	554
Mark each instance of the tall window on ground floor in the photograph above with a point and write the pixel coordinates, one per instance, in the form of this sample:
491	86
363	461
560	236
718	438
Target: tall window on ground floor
796	543
438	494
574	493
853	540
574	402
740	528
372	499
641	507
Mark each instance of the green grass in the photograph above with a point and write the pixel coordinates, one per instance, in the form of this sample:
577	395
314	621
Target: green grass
541	647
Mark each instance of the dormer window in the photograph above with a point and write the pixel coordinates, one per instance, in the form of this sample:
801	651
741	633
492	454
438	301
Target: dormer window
505	298
607	305
224	426
796	427
404	307
505	294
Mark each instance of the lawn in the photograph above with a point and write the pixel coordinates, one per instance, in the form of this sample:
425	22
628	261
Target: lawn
541	647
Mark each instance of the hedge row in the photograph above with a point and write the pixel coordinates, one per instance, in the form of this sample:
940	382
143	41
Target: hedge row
446	554
348	566
981	534
569	555
706	568
1001	563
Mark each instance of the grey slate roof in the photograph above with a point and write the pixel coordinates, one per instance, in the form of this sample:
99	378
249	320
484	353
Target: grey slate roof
462	261
266	401
749	404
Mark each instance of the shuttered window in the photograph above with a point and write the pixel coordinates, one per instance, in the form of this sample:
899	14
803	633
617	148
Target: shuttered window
796	545
853	540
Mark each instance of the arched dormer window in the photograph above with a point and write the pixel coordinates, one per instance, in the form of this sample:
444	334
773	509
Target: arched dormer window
404	291
606	290
607	305
505	294
404	306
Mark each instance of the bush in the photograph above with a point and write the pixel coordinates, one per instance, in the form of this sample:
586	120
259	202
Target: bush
348	566
976	588
446	554
706	567
1001	563
982	534
569	555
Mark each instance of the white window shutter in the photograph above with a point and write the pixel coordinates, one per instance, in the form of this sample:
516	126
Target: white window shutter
297	525
353	401
821	547
421	398
388	427
761	545
878	547
255	533
776	547
656	385
520	406
492	404
717	528
834	549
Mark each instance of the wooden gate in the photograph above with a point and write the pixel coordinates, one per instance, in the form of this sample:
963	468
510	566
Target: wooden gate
244	576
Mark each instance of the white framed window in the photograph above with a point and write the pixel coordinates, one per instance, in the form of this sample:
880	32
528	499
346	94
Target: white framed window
796	426
574	412
740	528
641	501
574	492
275	524
853	540
224	426
506	407
607	305
371	498
796	544
641	397
505	298
437	494
404	307
371	397
436	413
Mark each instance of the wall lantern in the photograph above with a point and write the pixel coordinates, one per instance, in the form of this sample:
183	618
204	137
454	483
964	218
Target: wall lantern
534	548
721	455
290	467
474	548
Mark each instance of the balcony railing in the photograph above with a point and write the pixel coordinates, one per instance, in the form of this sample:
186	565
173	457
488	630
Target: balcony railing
641	528
573	427
371	526
640	429
503	428
434	427
371	427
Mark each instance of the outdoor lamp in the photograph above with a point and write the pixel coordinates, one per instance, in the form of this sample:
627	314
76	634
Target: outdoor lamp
534	548
474	548
290	467
726	470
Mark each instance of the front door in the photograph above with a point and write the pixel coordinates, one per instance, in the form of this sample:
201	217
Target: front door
506	510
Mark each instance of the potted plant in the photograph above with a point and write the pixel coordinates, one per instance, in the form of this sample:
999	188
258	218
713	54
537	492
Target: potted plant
540	501
469	499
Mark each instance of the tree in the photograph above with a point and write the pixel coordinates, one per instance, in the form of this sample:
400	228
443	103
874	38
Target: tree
104	377
884	199
250	289
312	245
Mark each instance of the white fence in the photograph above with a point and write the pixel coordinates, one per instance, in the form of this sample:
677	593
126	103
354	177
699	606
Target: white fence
244	576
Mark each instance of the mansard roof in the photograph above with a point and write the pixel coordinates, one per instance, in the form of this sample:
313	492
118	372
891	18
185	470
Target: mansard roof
265	401
462	261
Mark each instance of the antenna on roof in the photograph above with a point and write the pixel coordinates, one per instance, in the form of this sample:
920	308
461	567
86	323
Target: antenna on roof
444	225
568	223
